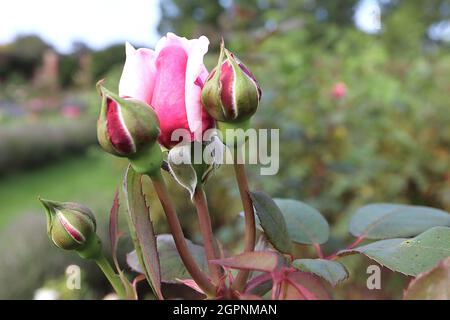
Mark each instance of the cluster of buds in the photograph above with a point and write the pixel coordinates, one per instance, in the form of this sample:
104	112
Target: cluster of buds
129	127
72	226
231	93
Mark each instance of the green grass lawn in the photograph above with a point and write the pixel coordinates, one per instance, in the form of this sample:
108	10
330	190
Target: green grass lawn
90	179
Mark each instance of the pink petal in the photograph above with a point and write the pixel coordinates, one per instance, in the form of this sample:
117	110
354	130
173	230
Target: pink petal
168	96
195	76
138	75
118	134
227	78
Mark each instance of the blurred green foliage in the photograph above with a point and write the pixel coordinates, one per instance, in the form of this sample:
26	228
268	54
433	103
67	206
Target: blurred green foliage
375	144
386	140
43	142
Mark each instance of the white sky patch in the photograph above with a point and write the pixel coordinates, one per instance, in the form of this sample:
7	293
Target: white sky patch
440	31
98	23
368	16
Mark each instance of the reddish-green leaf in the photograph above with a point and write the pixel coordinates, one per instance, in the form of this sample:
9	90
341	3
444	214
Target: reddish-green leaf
141	229
305	286
114	235
431	285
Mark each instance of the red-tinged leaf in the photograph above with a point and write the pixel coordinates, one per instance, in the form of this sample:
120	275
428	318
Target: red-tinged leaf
114	228
265	261
259	285
114	235
141	230
305	286
191	284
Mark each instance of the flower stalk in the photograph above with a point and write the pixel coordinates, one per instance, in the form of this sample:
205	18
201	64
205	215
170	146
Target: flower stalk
249	215
112	277
204	218
175	227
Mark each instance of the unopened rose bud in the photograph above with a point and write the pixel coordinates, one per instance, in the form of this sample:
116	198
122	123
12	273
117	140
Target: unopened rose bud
70	226
129	127
231	93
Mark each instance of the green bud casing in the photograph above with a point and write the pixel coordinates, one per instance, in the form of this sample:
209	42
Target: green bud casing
70	226
129	128
231	93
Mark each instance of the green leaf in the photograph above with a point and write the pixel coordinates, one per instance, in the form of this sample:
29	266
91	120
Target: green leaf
408	256
304	223
172	267
431	285
383	221
141	229
272	221
332	271
265	261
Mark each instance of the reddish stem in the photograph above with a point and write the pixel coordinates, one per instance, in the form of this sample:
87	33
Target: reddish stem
318	250
178	236
349	247
206	230
250	226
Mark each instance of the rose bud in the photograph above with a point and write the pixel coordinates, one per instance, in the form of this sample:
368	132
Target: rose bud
170	79
231	93
129	128
70	226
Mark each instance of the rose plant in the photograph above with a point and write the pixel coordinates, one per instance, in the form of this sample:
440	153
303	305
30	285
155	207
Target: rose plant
169	89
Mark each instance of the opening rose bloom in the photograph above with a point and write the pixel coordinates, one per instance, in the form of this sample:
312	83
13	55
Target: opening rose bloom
170	79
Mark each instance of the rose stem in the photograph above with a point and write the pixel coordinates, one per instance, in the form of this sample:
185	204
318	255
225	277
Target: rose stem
112	277
250	228
206	230
175	227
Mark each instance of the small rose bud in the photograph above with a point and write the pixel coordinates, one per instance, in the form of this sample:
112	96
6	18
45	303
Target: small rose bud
126	125
70	226
129	127
231	93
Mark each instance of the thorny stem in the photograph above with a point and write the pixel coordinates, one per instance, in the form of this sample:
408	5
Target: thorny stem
175	227
206	230
250	228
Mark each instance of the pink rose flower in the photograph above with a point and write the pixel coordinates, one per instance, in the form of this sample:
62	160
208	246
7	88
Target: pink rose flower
170	79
